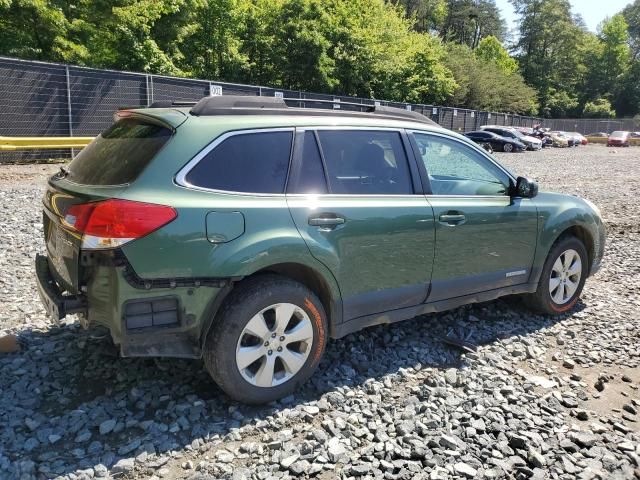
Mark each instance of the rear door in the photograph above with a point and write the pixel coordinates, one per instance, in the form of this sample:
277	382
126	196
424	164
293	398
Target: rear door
485	239
353	198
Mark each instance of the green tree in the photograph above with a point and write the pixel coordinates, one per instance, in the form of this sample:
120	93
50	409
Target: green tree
429	15
469	21
484	85
378	55
627	96
491	50
631	15
615	50
34	29
599	108
549	40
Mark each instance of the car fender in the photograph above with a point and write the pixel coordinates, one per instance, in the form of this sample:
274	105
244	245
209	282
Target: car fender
558	213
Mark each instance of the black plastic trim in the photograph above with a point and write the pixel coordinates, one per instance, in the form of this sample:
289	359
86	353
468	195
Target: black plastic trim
117	258
57	305
394	316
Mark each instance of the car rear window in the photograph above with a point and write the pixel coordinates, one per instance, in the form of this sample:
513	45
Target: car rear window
119	154
247	162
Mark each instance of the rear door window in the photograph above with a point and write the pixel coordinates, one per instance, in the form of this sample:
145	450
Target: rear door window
247	162
309	176
119	154
365	162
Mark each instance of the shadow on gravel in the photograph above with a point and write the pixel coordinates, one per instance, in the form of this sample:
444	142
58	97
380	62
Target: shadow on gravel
70	403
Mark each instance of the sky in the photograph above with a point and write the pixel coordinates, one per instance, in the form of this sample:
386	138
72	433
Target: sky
593	11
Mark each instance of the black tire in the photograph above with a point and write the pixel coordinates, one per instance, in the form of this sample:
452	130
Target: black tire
541	301
246	300
507	148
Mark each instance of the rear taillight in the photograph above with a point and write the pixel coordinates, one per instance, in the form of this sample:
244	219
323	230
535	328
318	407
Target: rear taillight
112	223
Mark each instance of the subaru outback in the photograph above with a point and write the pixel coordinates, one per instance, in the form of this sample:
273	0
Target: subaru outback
248	233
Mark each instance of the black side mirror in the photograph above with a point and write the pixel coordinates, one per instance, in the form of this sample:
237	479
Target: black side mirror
526	188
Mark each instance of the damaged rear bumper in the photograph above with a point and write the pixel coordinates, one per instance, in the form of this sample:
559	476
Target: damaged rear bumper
55	303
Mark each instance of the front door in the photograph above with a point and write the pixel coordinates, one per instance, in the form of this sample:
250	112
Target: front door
352	198
485	239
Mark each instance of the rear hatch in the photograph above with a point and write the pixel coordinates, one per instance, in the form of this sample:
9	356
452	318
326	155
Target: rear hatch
102	170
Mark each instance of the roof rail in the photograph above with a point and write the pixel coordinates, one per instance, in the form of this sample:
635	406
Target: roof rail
224	105
161	104
254	105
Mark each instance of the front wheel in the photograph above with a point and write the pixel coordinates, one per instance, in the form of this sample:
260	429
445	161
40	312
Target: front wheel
267	339
562	278
508	148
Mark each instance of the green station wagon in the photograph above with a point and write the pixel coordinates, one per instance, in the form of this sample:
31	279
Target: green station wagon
248	233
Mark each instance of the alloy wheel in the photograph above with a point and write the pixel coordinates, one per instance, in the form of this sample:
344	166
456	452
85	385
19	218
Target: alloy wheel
274	345
565	277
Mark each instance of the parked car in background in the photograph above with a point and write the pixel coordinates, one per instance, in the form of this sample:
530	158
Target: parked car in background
496	142
598	134
558	139
526	131
635	134
248	233
531	143
585	140
578	138
619	138
546	140
570	139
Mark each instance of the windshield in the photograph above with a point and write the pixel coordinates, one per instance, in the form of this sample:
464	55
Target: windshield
119	154
618	134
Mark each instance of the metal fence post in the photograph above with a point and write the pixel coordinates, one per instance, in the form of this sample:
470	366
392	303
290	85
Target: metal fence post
146	90
69	114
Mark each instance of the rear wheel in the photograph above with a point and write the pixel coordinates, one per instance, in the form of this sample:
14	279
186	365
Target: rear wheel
507	147
562	278
267	339
487	147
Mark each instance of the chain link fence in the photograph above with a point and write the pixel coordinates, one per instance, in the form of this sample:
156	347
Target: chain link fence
587	126
48	99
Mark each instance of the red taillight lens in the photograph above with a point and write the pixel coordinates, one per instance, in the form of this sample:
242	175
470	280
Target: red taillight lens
111	223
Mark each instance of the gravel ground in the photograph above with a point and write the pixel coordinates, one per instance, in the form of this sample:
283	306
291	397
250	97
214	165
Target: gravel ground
541	398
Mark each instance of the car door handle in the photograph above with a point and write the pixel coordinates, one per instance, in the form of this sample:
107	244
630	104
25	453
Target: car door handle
326	221
452	218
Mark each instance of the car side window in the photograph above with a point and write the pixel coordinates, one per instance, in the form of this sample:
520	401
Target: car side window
308	176
456	169
248	162
365	162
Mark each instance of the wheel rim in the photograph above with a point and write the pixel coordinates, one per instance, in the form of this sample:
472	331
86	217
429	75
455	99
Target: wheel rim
274	345
565	276
508	147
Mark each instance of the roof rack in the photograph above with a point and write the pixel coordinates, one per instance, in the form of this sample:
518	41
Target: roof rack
254	105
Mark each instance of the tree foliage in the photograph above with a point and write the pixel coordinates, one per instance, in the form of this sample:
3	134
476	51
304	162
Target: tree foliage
631	15
428	51
572	68
491	50
599	108
486	85
469	21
